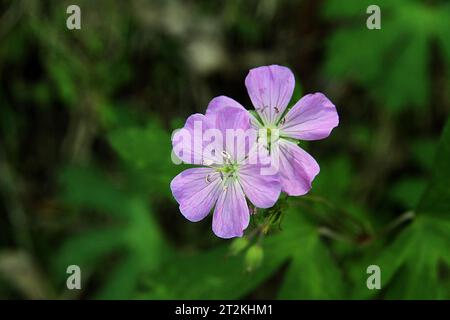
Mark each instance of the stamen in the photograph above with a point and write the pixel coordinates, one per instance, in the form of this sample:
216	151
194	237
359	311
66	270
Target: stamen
276	110
283	121
226	155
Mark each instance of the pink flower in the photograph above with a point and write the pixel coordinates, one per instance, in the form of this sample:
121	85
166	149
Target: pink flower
312	118
225	178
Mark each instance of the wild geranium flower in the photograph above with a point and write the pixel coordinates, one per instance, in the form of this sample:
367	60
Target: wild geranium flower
226	176
312	118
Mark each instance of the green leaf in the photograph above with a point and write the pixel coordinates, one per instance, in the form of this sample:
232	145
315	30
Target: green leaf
352	9
436	199
122	281
88	247
214	274
407	192
423	151
334	182
135	239
147	153
87	188
429	240
312	273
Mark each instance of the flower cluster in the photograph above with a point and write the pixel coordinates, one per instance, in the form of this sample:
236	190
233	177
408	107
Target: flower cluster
249	156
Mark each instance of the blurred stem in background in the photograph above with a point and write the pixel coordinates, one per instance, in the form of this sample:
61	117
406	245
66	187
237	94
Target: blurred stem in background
10	187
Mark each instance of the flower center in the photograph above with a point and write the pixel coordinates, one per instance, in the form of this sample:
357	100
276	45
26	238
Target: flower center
229	170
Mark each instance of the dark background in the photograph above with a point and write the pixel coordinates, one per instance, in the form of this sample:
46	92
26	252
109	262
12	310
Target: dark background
85	123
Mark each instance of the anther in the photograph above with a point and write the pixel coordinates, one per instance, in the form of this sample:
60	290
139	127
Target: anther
226	155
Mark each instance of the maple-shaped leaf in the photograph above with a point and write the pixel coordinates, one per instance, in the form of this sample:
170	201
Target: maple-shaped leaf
416	264
391	62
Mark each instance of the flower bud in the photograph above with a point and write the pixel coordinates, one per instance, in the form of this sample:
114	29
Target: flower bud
238	245
254	257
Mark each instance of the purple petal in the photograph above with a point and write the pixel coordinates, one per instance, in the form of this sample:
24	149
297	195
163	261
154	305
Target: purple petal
230	118
196	190
270	88
189	143
297	168
234	125
231	215
311	118
220	102
262	190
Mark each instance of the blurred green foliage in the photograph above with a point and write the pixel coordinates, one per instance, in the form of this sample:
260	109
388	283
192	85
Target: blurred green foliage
379	59
85	152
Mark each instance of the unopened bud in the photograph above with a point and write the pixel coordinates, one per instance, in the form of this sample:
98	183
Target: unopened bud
254	257
238	245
